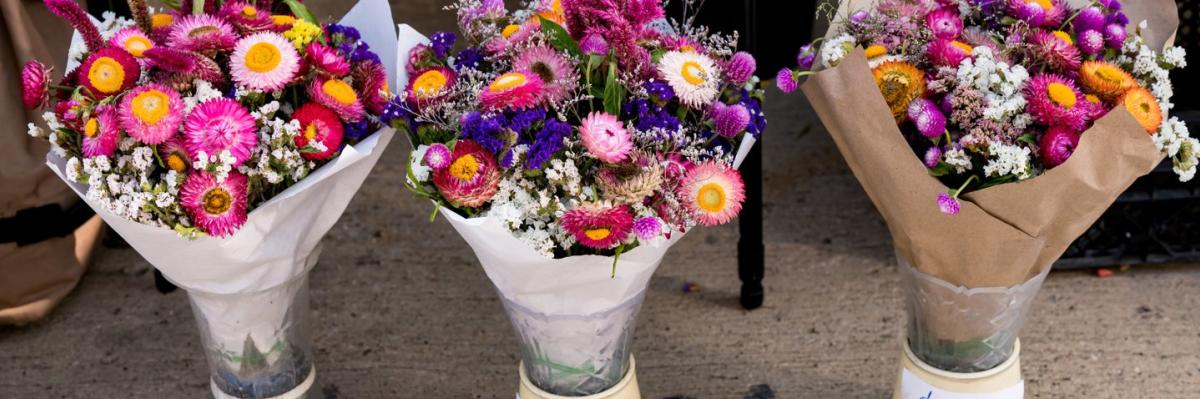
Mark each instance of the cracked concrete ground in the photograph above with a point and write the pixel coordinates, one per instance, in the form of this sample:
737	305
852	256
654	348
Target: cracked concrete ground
401	309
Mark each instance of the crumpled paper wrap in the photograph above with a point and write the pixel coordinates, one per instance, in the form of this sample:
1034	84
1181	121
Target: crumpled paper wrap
280	240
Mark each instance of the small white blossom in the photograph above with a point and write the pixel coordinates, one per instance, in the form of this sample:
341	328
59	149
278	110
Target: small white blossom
417	165
957	158
836	49
1007	160
73	169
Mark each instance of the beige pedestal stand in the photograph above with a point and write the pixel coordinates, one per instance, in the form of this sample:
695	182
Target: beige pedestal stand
627	388
300	392
1002	382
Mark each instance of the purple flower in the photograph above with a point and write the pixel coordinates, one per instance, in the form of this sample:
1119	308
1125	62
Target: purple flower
758	120
786	80
859	16
933	156
1090	18
1091	42
488	132
1119	18
442	42
926	116
948	205
468	58
806	57
547	142
1114	36
594	44
437	156
357	130
659	90
945	23
647	228
730	120
649	116
740	68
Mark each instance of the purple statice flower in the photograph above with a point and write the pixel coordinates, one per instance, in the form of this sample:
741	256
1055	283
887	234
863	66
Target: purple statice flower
469	58
926	116
647	228
758	120
437	156
594	44
1091	42
394	110
948	205
659	90
730	120
1114	36
1119	18
786	80
521	121
859	17
486	9
933	156
442	42
740	68
1090	18
362	53
945	23
546	143
806	57
347	33
487	131
648	116
357	130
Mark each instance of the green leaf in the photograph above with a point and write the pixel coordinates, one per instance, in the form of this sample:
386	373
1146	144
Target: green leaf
197	7
300	10
614	93
1028	138
559	38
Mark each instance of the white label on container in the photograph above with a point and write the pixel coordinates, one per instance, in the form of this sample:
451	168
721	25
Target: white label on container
913	387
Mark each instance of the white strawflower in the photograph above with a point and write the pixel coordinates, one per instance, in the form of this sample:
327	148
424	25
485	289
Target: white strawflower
694	77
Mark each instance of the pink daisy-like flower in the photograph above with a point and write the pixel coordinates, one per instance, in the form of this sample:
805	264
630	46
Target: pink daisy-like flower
246	17
327	61
201	33
927	117
151	113
945	23
1055	100
431	85
218	125
437	156
786	80
264	61
132	40
471	178
559	77
712	193
338	96
1039	13
1055	52
174	155
1058	144
740	68
35	84
318	124
216	208
605	137
109	71
729	120
513	90
948	205
951	53
598	228
370	79
101	133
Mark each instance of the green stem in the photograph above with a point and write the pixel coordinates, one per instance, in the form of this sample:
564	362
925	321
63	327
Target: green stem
963	187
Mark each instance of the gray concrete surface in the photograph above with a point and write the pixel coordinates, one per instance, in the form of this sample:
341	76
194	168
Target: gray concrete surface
402	309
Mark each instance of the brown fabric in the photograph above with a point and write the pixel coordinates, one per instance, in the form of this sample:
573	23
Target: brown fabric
33	278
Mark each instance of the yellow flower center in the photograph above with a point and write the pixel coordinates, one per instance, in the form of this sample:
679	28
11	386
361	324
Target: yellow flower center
1110	73
310	133
966	48
1064	36
340	91
1091	98
465	167
203	30
91	128
1061	94
876	51
1045	4
150	106
137	45
217	201
263	57
597	233
711	197
281	20
106	75
687	48
176	163
507	82
693	73
161	20
556	6
510	30
250	11
429	84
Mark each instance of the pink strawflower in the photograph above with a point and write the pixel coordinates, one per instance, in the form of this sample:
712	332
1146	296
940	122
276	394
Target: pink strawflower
471	178
78	18
246	17
370	79
1057	145
437	156
174	155
264	61
945	23
948	205
101	133
1039	13
558	75
1054	53
598	228
109	71
35	84
648	228
151	113
605	137
321	125
430	86
327	61
927	117
786	80
338	96
220	125
713	193
943	52
186	66
513	90
216	208
740	68
730	120
132	40
202	33
1055	100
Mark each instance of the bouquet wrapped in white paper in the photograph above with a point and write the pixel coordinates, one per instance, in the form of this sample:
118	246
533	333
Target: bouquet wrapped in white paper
225	177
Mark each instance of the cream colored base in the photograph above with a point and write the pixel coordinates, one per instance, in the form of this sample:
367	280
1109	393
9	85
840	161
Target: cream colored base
300	392
984	384
627	388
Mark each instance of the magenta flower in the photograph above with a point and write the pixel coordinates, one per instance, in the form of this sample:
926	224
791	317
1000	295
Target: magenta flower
513	90
338	96
1057	145
220	125
806	57
740	68
327	61
1114	36
730	120
109	71
217	208
370	79
189	65
1090	18
471	179
1055	100
948	205
437	156
559	77
786	80
151	113
943	52
70	11
605	137
1039	13
1091	42
599	228
35	84
201	33
1054	52
647	228
594	44
945	23
933	157
927	118
318	124
101	133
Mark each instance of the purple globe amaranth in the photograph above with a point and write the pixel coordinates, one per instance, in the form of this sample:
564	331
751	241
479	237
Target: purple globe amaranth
1091	42
859	16
945	23
1058	144
927	118
730	120
740	68
1114	36
1091	18
806	57
933	156
786	80
948	205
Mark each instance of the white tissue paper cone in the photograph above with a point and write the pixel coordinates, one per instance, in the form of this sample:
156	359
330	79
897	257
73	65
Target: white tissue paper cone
279	241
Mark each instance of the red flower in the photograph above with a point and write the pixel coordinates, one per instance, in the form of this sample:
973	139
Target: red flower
35	84
319	124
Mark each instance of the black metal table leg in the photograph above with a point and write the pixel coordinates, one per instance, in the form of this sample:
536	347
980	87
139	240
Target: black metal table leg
751	251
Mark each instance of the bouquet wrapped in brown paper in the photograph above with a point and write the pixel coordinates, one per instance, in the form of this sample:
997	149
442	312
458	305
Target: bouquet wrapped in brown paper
990	134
